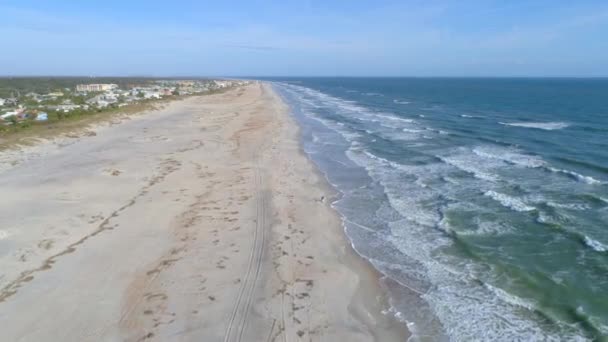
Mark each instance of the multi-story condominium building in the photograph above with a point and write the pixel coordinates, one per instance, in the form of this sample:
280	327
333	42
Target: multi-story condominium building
95	87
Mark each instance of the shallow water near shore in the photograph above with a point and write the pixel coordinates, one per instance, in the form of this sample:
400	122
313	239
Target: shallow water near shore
483	201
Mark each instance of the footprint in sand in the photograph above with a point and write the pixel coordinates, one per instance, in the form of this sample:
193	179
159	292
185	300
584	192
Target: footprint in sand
46	244
149	139
112	172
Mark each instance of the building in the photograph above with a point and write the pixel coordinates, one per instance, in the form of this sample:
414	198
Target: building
185	83
64	107
102	100
42	116
95	87
152	94
15	113
12	101
35	97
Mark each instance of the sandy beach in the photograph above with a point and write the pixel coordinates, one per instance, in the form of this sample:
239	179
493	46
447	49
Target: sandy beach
202	221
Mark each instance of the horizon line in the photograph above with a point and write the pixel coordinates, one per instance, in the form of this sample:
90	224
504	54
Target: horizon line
295	76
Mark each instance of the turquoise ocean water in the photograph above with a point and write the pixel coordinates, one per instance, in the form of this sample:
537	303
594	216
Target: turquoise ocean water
484	202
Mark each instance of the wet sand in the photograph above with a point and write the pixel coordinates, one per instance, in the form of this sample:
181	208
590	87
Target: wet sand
202	221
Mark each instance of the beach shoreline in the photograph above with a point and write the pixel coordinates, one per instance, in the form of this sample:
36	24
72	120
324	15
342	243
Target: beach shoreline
204	220
370	304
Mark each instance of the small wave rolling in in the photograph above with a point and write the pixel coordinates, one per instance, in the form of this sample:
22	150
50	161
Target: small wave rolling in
482	201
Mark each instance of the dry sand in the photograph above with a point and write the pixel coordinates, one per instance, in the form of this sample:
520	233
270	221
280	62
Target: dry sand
202	221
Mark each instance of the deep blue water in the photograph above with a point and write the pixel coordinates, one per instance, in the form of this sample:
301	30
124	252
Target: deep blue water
483	201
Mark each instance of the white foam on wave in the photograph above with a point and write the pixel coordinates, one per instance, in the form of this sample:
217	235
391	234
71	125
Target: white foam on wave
508	201
393	122
338	127
401	102
514	156
481	227
492	228
511	299
409	130
402	136
548	126
595	245
381	160
572	206
354	111
598	322
509	155
470	311
394	118
391	175
466	163
586	179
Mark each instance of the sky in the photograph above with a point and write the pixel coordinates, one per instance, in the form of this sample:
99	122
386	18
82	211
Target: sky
304	38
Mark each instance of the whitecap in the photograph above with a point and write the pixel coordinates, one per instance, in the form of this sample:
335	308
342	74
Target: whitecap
409	130
401	102
511	156
595	245
577	176
394	118
508	201
384	161
465	163
572	206
548	126
511	299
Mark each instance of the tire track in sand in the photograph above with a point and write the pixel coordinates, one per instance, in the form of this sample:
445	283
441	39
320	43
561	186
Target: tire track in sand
238	320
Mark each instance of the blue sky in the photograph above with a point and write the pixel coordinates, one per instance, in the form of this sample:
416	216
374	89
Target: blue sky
304	38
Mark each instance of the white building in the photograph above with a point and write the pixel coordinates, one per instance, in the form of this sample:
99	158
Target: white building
152	94
9	114
103	100
96	87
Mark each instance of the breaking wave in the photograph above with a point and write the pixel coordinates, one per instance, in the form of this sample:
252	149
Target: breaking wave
548	126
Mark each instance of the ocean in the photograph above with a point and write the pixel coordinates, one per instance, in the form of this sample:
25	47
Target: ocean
483	202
